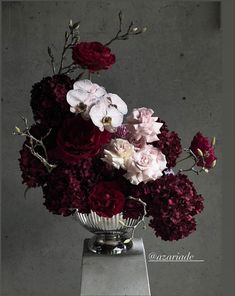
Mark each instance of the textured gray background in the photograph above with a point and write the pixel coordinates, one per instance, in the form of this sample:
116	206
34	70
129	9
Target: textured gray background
41	251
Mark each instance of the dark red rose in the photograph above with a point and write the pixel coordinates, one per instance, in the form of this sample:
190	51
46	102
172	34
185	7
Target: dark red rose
172	203
64	193
48	100
78	139
170	145
206	147
106	199
93	56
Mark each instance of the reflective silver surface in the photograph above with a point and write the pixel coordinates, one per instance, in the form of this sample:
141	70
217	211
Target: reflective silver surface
112	235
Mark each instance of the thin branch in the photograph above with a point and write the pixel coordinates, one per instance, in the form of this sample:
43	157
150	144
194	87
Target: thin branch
34	143
52	59
130	30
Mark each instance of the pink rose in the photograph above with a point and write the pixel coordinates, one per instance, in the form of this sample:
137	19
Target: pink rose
145	165
142	125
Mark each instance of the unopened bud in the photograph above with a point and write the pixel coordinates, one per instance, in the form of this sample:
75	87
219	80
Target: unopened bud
70	23
135	29
213	141
200	152
127	241
213	163
206	170
17	129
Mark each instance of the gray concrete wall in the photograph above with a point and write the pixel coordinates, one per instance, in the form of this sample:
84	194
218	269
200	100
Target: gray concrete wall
41	251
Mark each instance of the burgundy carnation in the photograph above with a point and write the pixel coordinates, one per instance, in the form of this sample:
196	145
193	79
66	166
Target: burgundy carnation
34	173
48	100
170	145
78	139
93	56
206	147
133	209
172	204
64	193
106	199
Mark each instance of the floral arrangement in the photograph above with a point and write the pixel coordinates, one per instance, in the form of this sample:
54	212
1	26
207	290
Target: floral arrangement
88	153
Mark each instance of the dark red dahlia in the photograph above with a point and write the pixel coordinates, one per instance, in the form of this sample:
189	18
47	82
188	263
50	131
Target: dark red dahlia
48	100
93	56
78	139
172	203
107	199
63	192
206	147
170	145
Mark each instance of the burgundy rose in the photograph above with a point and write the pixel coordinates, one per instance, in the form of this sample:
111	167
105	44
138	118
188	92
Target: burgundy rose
93	56
48	100
78	139
106	199
172	203
205	146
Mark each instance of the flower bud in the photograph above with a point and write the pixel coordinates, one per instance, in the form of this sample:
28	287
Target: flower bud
17	129
200	152
213	141
206	170
213	163
135	29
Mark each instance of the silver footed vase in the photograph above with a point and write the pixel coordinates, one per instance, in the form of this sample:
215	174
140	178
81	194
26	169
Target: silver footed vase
111	235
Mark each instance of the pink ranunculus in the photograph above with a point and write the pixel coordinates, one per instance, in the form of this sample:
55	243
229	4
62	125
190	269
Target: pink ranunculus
146	164
141	124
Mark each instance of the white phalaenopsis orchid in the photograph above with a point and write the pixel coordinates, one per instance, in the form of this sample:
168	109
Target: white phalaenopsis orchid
107	113
83	96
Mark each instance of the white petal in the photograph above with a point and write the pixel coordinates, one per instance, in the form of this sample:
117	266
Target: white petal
74	97
83	84
116	100
97	113
100	90
117	117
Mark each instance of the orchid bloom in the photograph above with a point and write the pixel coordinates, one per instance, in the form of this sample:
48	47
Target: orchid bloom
83	96
107	113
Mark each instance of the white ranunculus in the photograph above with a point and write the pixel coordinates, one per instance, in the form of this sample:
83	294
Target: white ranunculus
118	152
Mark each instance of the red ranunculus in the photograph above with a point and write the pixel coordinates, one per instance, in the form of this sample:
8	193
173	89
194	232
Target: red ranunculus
93	56
206	147
78	139
106	199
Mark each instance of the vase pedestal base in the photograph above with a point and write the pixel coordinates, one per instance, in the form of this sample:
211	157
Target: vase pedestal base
112	275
